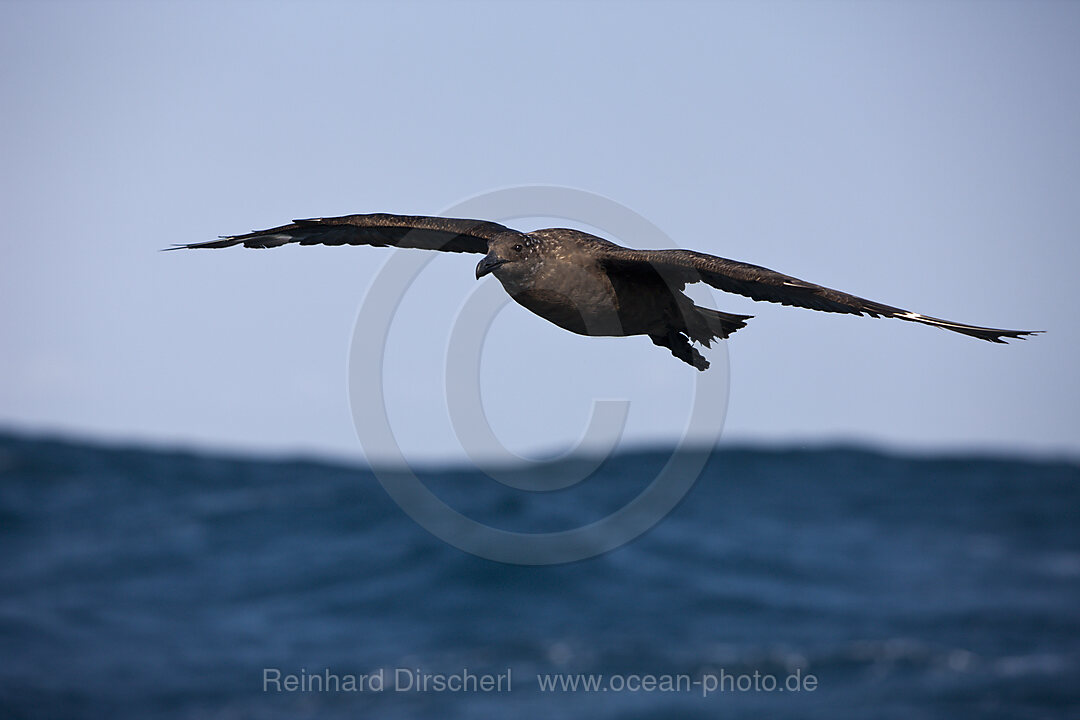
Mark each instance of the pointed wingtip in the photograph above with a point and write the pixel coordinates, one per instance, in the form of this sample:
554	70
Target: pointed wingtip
1023	335
1003	337
221	242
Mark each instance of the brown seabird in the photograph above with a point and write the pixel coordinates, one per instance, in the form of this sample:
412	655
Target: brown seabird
590	286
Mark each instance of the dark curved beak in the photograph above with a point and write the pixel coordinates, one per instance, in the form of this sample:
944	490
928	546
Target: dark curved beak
489	263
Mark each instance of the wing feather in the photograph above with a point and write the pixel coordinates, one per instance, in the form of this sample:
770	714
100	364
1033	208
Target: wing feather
377	229
760	283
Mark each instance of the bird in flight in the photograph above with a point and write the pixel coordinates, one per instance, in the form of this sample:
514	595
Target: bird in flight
590	286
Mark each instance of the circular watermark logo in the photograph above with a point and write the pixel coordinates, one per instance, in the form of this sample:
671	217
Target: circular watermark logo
367	399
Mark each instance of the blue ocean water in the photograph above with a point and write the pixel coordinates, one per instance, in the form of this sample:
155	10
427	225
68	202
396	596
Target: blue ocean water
138	584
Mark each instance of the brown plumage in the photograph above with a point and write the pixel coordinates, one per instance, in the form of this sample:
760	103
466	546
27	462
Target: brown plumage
594	287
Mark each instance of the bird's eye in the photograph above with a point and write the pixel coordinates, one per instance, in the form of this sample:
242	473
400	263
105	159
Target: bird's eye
517	248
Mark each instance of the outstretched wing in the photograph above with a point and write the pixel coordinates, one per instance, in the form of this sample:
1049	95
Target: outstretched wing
759	283
378	229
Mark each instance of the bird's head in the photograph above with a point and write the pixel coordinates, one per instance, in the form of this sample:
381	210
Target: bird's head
510	255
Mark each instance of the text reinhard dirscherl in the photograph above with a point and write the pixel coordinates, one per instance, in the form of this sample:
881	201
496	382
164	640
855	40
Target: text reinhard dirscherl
465	680
404	680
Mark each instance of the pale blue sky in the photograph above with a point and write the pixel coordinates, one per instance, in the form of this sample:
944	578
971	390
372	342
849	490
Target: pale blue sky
921	154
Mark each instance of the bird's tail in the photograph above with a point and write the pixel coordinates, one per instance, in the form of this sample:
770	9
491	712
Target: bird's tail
703	325
712	324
